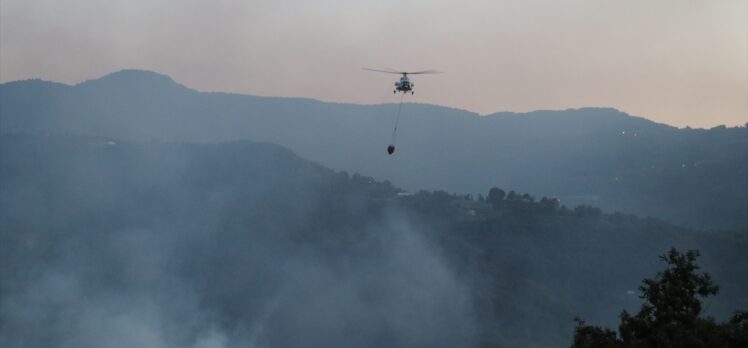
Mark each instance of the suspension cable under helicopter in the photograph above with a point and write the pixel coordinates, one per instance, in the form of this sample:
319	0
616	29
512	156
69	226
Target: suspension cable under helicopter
391	147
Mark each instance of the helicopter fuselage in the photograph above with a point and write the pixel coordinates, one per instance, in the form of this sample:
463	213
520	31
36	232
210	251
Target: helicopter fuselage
404	85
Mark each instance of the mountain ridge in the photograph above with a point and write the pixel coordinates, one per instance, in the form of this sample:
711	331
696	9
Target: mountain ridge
144	76
598	156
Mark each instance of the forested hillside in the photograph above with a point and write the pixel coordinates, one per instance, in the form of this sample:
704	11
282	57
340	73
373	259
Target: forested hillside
240	243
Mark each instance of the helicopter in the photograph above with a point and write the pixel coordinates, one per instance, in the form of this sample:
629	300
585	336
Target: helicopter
404	85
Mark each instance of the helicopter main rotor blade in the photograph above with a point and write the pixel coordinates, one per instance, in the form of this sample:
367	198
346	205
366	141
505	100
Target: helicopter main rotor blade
386	71
425	72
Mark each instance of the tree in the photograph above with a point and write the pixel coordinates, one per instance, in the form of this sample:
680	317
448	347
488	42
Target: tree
588	211
671	313
550	204
588	336
496	195
527	198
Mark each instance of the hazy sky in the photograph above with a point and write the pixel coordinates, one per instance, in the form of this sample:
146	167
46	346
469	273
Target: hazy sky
681	62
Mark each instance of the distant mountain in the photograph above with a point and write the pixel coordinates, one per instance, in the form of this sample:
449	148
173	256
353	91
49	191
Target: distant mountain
595	155
241	243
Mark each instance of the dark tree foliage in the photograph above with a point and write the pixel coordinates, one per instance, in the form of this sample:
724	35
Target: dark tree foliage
496	195
587	211
671	313
588	336
550	204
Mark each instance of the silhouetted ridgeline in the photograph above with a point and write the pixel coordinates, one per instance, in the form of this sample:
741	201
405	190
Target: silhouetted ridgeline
244	243
595	156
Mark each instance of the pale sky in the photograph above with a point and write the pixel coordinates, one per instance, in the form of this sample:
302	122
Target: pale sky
680	62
